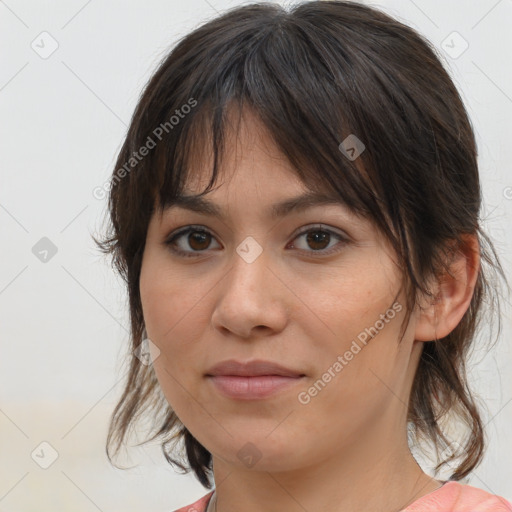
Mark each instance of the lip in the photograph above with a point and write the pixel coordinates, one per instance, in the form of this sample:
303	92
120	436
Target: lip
252	380
254	368
252	388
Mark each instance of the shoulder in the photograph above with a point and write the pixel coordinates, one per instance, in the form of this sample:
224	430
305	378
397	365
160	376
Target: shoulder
456	497
198	506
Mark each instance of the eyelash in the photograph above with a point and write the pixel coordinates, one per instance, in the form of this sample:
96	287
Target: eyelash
171	241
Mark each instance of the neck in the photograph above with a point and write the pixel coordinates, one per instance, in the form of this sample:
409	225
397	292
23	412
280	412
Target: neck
373	497
370	473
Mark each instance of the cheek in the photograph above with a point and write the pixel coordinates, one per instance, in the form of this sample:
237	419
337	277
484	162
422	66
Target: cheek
339	318
174	317
340	303
169	300
170	307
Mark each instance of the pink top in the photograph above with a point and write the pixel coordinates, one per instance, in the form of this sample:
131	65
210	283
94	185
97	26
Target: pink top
451	497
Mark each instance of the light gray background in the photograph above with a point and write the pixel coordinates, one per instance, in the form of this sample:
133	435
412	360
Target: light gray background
64	323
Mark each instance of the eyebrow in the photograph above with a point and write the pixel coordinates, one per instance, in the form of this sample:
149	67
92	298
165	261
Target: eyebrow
294	204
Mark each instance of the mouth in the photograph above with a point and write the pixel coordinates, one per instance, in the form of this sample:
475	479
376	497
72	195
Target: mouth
254	368
252	380
254	387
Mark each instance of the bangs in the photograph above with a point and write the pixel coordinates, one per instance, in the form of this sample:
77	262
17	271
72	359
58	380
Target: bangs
307	111
205	140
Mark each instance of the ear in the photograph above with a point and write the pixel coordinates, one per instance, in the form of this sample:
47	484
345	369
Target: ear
453	293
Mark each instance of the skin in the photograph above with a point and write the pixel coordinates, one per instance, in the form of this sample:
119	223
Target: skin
347	448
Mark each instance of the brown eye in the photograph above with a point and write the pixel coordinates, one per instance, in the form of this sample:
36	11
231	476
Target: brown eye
198	240
317	240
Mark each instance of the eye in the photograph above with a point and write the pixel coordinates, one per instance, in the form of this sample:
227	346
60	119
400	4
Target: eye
319	238
199	239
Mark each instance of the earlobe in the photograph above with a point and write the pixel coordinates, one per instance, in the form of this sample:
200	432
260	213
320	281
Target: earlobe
453	293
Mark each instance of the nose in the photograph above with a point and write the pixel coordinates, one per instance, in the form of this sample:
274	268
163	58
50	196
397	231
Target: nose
250	296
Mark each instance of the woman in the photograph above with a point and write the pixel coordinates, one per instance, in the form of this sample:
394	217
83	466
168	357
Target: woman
308	306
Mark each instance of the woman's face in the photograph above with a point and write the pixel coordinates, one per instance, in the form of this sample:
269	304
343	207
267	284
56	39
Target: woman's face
278	289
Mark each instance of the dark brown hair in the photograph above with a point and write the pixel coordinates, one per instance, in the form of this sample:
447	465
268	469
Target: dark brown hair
315	74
